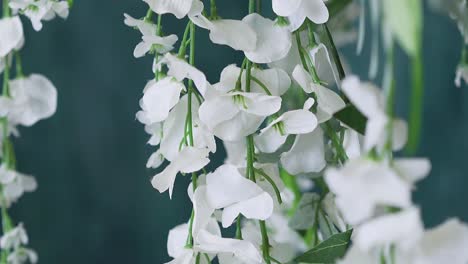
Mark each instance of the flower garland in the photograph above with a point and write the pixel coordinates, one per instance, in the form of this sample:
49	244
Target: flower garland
310	163
25	100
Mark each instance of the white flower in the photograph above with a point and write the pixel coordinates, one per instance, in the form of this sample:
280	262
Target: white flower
446	241
227	188
369	101
243	251
14	238
16	188
189	160
273	41
225	31
295	122
22	255
38	10
149	39
174	131
306	155
328	102
178	8
362	185
298	10
462	74
232	115
236	152
180	70
158	99
32	98
403	229
11	30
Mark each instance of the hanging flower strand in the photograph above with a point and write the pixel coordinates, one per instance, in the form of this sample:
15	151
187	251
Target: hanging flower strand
25	100
309	148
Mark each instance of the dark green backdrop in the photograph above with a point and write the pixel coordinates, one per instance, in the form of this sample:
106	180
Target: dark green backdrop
95	203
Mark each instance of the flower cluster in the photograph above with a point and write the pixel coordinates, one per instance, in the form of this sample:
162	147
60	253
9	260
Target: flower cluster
24	101
300	175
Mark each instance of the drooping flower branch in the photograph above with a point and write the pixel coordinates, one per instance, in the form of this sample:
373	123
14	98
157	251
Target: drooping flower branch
309	148
25	100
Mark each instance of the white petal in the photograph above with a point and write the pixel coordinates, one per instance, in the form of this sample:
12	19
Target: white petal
302	77
164	180
375	132
227	32
306	155
181	70
259	207
202	210
178	8
11	31
192	159
299	122
237	128
259	104
403	229
290	61
276	80
236	153
269	140
328	100
273	41
141	49
286	7
217	110
412	169
174	127
315	10
155	160
447	241
34	98
160	98
176	240
241	249
362	185
366	97
226	186
351	144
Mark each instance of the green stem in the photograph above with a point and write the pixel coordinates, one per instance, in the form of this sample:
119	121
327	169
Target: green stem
416	107
6	8
149	15
265	242
251	6
272	183
190	125
156	55
183	46
239	227
261	84
213	9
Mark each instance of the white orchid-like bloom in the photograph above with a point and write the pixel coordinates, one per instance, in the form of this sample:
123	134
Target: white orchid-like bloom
22	255
33	98
242	113
268	32
15	184
306	155
11	30
14	238
158	99
179	8
362	186
227	189
189	160
209	243
298	10
39	10
369	100
150	40
294	122
225	31
411	243
328	102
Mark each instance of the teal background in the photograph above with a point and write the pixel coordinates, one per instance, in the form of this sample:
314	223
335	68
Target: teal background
95	203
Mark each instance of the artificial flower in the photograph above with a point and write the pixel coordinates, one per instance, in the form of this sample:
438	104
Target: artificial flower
11	30
150	40
179	8
298	10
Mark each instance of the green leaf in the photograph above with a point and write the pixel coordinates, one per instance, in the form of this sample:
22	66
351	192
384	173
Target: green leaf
329	250
352	118
304	216
404	19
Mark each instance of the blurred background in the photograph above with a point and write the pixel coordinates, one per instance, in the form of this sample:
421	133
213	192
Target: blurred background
95	203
